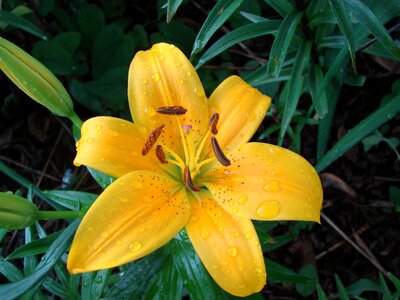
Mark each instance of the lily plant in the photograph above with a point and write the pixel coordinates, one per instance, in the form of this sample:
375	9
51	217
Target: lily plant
185	162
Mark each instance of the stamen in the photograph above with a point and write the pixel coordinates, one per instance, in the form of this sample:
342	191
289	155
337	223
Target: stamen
152	139
187	179
187	128
172	110
161	155
213	123
218	152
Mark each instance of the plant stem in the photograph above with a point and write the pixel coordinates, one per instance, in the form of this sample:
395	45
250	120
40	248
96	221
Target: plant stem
76	120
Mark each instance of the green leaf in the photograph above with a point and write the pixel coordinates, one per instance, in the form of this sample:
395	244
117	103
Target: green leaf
10	271
282	42
35	247
282	7
238	35
199	283
395	280
279	273
260	76
60	245
111	42
366	17
314	79
321	293
361	130
343	19
91	20
21	23
294	86
172	7
387	295
217	16
93	284
69	40
252	17
394	195
55	57
341	289
102	179
360	286
170	284
134	280
71	199
306	289
55	288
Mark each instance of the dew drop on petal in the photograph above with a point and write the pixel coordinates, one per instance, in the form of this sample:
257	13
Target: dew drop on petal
144	81
156	77
150	111
181	81
90	140
236	234
249	235
232	251
242	199
119	242
105	234
205	235
135	247
272	186
268	209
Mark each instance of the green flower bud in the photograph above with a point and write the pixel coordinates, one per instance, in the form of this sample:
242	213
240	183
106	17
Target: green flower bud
16	212
34	79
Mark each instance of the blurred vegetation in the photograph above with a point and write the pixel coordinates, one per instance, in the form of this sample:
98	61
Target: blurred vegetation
302	53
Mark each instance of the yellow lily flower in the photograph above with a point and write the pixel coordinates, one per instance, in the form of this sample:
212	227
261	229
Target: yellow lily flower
185	163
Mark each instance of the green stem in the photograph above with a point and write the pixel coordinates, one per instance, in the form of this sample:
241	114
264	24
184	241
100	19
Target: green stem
65	214
76	120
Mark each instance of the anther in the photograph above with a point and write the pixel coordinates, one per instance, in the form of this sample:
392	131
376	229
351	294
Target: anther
152	139
187	179
172	110
218	152
161	155
213	123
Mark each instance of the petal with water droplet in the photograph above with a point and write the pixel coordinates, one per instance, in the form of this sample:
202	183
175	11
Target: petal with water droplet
278	184
125	231
228	255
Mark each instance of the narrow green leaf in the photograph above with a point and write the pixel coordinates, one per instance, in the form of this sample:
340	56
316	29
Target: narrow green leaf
306	289
322	17
21	23
395	280
98	284
35	247
367	18
361	130
171	283
282	42
343	19
282	7
199	283
387	295
294	85
252	17
102	179
238	35
172	7
10	271
314	79
55	288
279	273
362	285
260	76
341	289
217	16
16	289
71	199
321	294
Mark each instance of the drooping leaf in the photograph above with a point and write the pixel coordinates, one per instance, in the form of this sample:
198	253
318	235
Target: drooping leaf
172	7
21	23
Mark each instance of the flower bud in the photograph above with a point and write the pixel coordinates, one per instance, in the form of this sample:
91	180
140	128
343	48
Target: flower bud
34	79
16	212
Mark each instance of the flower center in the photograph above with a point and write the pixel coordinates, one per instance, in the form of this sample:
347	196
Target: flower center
191	165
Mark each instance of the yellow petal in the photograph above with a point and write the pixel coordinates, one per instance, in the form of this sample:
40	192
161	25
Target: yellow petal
113	146
267	182
163	76
228	247
134	216
241	109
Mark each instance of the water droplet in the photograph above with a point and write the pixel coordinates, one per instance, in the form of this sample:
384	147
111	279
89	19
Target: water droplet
119	242
243	199
232	251
205	235
258	270
98	127
268	209
156	77
144	81
141	229
150	111
249	235
135	247
161	57
188	73
236	234
272	186
105	234
181	81
235	210
90	140
239	267
198	91
251	118
123	199
221	228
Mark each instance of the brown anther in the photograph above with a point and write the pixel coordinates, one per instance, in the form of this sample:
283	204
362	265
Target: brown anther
161	155
187	128
187	179
172	110
213	123
218	153
152	139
